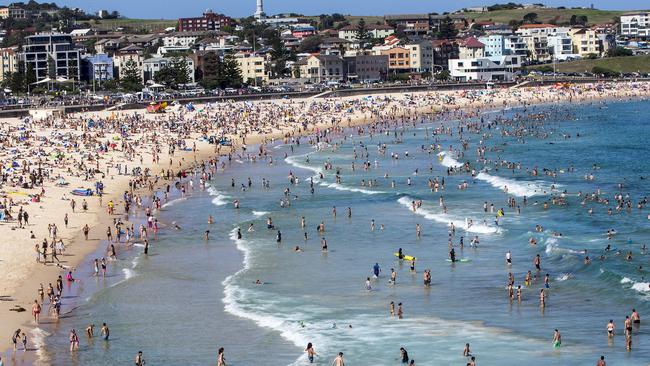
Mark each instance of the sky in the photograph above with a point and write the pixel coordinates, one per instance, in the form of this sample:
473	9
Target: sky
172	9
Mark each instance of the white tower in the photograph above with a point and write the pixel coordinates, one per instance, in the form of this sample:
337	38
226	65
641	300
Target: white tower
259	12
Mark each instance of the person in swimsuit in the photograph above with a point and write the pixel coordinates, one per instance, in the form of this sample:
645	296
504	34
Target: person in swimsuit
635	317
557	339
74	340
611	328
221	359
310	352
15	337
404	355
105	331
36	311
139	359
338	361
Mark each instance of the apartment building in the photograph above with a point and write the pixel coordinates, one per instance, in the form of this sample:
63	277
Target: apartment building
635	25
9	61
252	68
52	55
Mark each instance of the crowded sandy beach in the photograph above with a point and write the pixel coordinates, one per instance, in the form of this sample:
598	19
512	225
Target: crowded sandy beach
67	179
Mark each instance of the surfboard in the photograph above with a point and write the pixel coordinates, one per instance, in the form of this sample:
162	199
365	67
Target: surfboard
405	257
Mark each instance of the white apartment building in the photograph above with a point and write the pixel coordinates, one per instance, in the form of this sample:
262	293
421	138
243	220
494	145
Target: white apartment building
152	65
182	39
536	38
501	68
635	25
500	45
349	33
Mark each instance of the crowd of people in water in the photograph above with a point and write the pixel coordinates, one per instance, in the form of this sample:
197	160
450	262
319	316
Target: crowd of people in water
325	121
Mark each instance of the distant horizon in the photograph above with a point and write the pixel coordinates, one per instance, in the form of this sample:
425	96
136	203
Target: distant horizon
168	9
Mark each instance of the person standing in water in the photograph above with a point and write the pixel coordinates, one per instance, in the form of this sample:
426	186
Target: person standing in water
310	352
557	339
404	355
139	359
338	361
221	359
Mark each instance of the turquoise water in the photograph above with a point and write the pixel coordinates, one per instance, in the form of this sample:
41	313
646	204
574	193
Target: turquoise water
189	297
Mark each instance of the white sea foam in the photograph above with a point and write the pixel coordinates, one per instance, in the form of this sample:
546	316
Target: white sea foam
514	187
553	247
248	304
128	273
296	162
37	340
563	277
448	161
260	213
642	287
447	219
173	202
340	187
219	199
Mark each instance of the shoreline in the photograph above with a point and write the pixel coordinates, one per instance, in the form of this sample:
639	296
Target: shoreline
77	252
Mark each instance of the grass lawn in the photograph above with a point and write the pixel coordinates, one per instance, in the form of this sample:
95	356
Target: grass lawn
147	24
618	64
594	16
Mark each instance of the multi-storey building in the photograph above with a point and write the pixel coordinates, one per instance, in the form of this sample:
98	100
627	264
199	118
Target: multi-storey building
52	55
399	59
208	22
125	55
503	45
97	67
252	67
323	68
635	25
585	42
13	12
349	33
151	66
365	68
8	62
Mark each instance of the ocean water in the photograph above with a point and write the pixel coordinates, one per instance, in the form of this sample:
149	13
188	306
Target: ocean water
189	297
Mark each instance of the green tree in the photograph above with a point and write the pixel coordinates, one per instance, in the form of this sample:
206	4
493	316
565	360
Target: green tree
30	74
279	56
530	18
131	79
231	75
181	70
447	29
51	68
442	75
166	76
361	33
212	68
310	44
619	52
